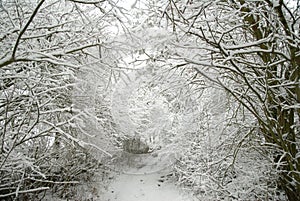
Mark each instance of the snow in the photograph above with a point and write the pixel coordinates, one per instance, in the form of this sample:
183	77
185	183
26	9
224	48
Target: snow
144	177
142	188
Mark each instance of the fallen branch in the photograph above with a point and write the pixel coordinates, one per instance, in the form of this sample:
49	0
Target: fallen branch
55	182
25	191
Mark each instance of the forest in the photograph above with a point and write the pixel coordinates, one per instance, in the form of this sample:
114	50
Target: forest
209	91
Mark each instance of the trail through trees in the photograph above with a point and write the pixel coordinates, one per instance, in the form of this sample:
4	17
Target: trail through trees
144	177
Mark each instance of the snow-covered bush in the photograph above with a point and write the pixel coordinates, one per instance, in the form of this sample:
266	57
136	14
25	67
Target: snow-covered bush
252	47
44	46
223	159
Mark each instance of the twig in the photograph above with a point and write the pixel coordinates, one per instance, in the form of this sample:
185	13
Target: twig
55	182
26	191
25	28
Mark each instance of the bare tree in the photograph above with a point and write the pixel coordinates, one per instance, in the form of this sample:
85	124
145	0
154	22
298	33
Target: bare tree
43	46
253	47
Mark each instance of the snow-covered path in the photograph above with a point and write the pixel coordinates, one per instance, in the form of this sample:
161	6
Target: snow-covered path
144	178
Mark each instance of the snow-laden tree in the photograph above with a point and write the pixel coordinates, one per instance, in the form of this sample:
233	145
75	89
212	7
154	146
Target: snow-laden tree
154	103
250	49
46	49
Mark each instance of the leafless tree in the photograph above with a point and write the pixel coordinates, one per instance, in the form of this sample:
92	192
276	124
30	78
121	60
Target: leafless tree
253	48
44	45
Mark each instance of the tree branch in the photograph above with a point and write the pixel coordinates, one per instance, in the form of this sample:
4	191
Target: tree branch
25	28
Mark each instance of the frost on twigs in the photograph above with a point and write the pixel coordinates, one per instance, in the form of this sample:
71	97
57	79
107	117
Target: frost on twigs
223	159
42	49
251	50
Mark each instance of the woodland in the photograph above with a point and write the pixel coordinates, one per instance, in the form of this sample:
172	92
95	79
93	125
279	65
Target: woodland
215	84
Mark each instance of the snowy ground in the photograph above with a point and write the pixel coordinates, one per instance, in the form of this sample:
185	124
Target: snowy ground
143	177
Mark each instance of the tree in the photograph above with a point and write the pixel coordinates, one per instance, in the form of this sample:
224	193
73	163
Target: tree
253	48
44	45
